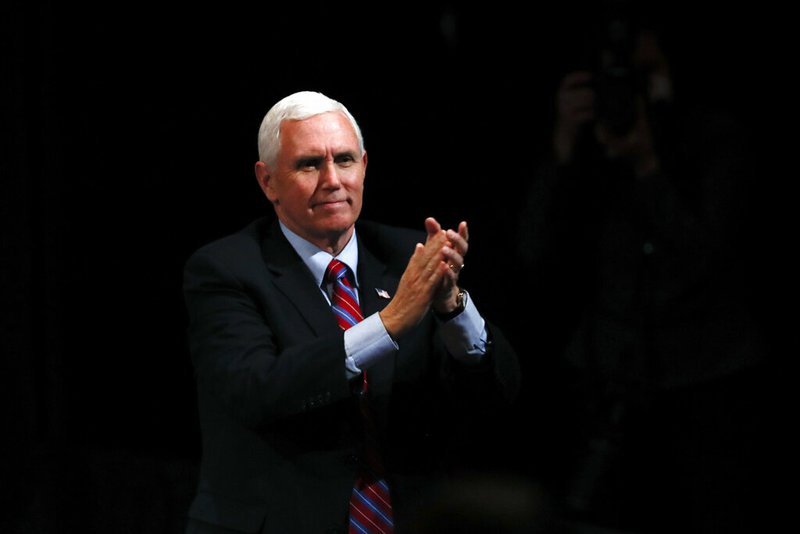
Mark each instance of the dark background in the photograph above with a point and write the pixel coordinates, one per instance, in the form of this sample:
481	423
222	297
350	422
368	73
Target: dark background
129	138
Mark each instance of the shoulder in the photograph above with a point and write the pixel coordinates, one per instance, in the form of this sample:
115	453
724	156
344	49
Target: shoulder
373	229
236	247
388	242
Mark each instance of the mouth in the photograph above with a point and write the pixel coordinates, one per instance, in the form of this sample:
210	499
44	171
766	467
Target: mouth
331	203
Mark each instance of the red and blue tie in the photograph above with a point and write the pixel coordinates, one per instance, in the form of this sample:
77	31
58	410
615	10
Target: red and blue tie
370	503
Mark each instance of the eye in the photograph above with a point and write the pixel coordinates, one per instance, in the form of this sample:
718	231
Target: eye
308	164
344	160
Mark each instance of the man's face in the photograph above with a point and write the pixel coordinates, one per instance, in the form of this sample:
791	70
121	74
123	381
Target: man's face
317	183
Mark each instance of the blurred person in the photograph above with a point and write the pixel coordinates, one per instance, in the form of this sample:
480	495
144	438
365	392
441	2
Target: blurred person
635	236
281	382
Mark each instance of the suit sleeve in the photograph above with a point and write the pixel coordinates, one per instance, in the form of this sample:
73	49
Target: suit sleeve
250	353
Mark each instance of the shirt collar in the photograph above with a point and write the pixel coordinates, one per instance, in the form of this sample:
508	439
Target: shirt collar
317	260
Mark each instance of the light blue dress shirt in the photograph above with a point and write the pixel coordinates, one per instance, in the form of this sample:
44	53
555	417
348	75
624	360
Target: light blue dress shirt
368	341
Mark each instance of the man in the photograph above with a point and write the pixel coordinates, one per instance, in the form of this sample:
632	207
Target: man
634	237
281	382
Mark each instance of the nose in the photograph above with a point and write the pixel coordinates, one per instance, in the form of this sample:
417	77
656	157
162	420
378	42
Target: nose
329	174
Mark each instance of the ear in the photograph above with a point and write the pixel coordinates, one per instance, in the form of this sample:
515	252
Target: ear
364	166
264	177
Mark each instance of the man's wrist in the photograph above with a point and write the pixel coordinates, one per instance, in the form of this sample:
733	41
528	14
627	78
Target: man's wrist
461	303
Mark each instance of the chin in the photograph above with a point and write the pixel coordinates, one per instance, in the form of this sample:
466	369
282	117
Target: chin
337	224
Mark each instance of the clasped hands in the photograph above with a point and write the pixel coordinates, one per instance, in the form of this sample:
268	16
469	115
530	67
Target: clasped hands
430	278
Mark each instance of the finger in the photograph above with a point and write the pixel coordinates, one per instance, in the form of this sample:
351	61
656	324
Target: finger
454	259
426	264
435	244
447	279
421	258
432	226
460	241
449	272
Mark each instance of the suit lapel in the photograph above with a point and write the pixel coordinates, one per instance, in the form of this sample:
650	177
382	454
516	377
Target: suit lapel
292	278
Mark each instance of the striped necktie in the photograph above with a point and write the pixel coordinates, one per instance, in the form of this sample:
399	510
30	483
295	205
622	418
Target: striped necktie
370	503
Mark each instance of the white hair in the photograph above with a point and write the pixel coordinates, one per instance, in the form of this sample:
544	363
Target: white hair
297	106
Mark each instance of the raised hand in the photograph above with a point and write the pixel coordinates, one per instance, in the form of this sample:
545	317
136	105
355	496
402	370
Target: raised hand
430	278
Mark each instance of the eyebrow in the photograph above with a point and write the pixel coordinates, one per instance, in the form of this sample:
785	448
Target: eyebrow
305	161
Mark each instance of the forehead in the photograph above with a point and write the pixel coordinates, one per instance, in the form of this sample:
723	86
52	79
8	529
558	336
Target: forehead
326	132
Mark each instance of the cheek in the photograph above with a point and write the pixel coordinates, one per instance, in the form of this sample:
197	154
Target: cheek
299	191
355	183
295	197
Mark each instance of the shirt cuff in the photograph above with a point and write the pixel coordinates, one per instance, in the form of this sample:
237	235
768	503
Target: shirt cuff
365	343
465	334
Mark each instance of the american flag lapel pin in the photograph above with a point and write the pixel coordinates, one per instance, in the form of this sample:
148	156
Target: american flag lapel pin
382	293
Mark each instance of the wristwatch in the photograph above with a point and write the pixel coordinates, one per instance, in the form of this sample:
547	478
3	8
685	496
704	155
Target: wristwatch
461	303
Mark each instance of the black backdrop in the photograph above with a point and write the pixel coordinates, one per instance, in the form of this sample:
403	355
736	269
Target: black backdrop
129	139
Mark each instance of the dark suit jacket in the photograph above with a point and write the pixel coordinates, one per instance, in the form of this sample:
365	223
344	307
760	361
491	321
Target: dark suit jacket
280	427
